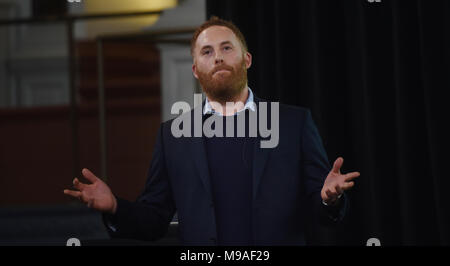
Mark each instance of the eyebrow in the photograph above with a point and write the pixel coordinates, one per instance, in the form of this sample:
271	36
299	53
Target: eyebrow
221	44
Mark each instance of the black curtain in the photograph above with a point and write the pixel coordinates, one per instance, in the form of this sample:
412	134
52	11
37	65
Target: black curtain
375	76
43	8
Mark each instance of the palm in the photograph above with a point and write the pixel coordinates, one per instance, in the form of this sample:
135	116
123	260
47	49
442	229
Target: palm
100	194
332	178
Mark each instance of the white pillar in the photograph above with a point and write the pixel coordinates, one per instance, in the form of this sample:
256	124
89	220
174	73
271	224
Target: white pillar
177	81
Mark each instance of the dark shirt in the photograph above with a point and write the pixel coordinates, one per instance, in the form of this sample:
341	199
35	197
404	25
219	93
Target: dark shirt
230	165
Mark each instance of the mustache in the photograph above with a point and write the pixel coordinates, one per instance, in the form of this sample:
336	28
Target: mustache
221	67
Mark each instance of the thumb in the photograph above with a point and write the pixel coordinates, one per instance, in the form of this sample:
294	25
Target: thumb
337	165
89	175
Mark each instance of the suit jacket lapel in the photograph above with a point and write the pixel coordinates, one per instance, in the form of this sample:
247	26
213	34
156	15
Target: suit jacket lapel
198	152
259	162
201	162
259	158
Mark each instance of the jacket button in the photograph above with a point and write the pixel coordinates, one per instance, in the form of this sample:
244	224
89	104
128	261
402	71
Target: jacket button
213	240
211	204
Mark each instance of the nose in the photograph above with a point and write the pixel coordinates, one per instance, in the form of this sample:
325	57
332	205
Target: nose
219	58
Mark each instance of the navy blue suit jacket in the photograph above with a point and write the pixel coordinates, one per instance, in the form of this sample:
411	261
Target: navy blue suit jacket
286	180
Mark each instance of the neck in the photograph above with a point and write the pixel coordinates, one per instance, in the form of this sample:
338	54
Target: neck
238	103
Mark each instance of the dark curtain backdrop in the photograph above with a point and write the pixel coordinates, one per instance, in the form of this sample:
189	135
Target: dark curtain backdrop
375	76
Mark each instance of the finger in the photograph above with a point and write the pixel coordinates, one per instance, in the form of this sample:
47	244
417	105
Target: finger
73	193
339	189
78	185
337	165
331	195
351	176
348	185
89	175
332	189
324	196
90	203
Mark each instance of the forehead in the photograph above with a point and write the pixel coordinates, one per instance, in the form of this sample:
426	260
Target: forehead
216	35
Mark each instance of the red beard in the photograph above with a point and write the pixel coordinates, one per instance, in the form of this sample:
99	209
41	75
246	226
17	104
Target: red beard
224	86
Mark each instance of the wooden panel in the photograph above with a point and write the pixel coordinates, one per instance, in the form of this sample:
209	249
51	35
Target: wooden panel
36	149
131	70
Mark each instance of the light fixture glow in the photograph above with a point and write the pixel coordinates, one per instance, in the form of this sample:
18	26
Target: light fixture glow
106	26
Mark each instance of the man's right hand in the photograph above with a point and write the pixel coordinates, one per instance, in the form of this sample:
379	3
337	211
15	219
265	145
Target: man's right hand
96	195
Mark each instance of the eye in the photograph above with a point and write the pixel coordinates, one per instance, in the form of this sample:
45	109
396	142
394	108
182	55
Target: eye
226	48
206	52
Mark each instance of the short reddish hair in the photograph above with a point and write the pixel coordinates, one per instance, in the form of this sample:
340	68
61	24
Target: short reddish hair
216	21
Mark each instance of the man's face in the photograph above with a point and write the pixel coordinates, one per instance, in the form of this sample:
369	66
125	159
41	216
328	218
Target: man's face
220	64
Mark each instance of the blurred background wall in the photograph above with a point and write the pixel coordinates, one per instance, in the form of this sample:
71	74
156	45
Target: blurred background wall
46	139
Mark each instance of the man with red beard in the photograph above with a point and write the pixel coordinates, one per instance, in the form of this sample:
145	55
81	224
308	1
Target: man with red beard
228	191
220	64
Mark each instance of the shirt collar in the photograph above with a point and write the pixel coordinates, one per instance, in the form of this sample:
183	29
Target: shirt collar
249	104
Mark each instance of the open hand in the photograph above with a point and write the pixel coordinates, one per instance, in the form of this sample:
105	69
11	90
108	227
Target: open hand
336	183
96	195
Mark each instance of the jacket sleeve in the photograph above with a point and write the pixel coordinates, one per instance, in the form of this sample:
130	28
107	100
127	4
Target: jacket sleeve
149	216
316	167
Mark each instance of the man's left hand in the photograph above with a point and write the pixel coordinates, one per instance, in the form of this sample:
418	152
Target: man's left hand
336	183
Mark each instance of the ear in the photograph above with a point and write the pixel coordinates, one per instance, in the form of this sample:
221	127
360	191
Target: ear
248	59
194	70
